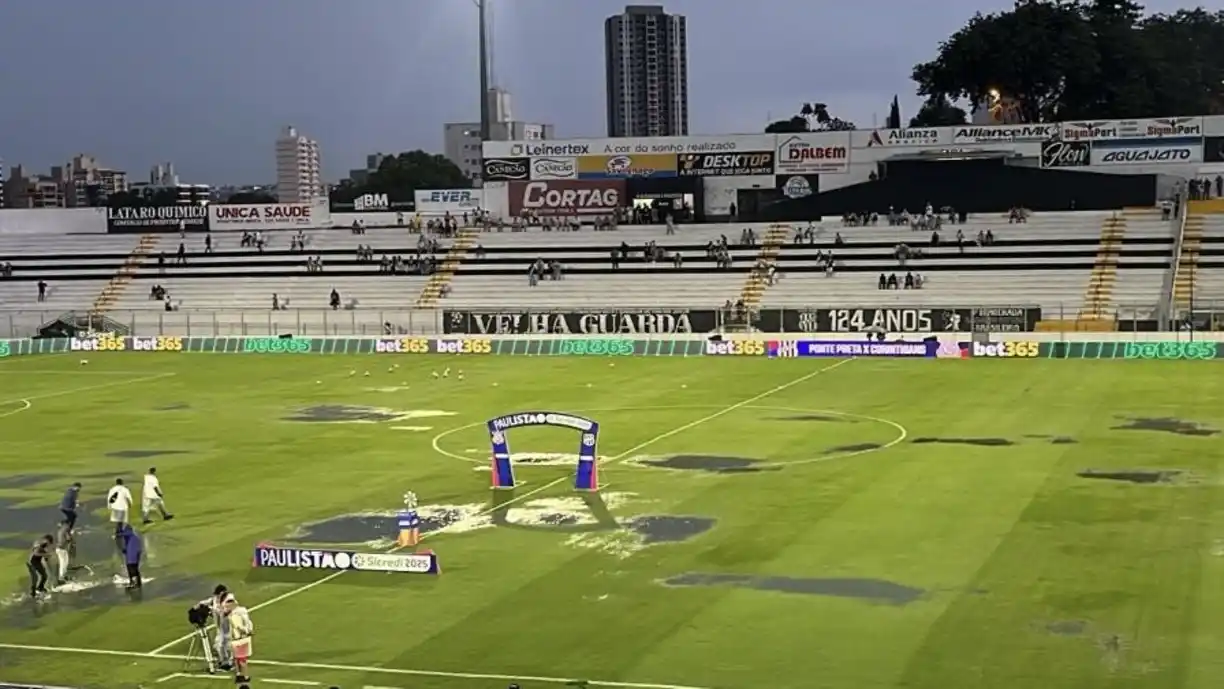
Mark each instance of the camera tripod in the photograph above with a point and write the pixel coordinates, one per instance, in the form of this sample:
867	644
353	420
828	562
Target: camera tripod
199	649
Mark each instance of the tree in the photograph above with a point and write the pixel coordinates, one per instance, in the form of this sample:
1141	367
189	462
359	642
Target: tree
937	111
1083	59
812	117
251	198
794	125
399	176
894	115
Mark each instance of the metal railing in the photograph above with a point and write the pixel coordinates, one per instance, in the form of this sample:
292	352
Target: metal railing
596	319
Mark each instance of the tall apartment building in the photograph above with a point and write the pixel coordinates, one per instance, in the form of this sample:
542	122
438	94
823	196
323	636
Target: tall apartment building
299	177
646	54
2	180
461	140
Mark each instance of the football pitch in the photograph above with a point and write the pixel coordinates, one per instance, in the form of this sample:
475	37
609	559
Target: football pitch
760	523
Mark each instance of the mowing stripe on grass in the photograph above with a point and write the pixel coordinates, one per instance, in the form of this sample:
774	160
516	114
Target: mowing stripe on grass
518	498
405	672
28	401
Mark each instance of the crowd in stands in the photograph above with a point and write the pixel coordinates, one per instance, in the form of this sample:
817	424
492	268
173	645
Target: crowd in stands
911	281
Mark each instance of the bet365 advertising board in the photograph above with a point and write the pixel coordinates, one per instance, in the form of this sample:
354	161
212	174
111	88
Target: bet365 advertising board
596	346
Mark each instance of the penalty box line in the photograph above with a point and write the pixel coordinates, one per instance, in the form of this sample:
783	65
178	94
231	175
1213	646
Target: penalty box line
518	498
404	672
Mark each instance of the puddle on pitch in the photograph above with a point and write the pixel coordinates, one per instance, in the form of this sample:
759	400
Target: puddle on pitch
1167	425
979	442
869	590
144	454
714	464
1132	476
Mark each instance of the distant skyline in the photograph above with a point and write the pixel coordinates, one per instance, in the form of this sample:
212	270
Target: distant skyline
208	86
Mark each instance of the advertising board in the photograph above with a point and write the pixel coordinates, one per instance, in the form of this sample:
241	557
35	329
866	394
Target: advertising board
505	169
566	197
797	186
554	168
1166	151
593	322
1161	127
727	164
442	201
902	138
814	153
626	165
1060	153
260	217
573	148
1003	133
148	219
900	320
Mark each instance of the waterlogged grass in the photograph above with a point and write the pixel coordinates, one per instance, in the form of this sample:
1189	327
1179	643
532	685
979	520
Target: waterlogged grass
956	479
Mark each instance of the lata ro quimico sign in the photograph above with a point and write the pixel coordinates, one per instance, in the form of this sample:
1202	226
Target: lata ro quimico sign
612	322
1002	319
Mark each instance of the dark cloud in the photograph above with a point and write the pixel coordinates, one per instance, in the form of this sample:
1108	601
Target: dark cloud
207	85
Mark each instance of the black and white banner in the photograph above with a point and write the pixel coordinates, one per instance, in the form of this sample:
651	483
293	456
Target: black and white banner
1169	151
599	322
150	219
1003	319
1059	153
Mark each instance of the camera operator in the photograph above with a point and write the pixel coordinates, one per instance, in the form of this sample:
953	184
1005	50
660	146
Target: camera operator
215	605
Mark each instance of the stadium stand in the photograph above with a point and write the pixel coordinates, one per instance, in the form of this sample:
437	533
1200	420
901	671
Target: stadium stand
1066	263
1199	282
1077	266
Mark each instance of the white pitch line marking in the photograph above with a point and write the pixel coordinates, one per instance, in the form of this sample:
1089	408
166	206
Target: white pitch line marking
87	388
628	453
404	672
518	498
294	682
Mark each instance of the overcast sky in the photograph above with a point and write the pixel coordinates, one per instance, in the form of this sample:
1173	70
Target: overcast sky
207	85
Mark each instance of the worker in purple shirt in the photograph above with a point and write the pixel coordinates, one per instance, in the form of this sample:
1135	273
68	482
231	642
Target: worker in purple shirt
69	504
133	549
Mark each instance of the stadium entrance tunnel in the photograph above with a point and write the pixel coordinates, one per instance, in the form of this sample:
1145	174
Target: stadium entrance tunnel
1167	425
1133	476
869	590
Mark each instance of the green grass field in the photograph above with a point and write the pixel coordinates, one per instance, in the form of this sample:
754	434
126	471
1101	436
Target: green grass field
916	524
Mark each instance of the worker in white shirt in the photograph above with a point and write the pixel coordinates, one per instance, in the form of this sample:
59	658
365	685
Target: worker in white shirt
151	498
119	501
241	631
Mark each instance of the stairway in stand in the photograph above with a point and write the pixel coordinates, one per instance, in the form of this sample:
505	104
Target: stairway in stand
758	279
119	282
432	291
1097	312
1187	262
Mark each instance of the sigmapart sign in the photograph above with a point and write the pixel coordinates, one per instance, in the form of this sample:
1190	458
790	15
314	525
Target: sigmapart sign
573	148
271	216
566	197
805	154
1147	151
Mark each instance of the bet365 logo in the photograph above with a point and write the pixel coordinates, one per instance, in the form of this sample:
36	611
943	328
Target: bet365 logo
5	348
1005	350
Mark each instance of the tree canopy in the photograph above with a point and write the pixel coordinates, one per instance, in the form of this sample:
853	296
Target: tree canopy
399	176
1059	60
811	117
